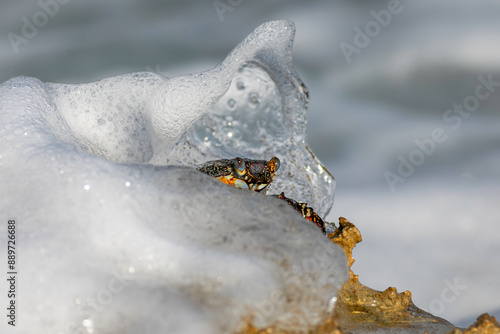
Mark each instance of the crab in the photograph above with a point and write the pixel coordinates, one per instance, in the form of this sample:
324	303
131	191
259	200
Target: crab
255	175
242	173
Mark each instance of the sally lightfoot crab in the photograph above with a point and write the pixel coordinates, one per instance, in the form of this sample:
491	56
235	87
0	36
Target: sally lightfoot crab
255	175
242	173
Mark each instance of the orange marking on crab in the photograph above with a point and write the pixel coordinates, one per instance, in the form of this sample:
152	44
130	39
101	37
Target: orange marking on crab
228	179
233	182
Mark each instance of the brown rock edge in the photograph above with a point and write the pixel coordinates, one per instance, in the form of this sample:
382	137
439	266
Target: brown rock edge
360	309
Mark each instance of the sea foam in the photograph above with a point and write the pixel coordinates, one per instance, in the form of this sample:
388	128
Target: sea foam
115	239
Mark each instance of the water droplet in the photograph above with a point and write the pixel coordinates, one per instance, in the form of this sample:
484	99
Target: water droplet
87	323
240	85
231	103
86	187
127	184
253	98
229	134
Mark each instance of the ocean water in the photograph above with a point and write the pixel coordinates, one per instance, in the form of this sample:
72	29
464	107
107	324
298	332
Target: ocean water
435	231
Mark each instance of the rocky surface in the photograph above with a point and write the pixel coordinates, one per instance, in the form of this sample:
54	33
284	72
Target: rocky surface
360	309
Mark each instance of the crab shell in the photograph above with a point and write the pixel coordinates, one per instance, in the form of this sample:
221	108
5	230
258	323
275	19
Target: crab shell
242	173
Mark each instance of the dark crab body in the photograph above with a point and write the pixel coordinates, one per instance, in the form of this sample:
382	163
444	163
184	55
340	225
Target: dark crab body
242	173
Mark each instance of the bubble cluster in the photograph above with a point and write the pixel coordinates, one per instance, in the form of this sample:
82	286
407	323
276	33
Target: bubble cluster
253	104
253	119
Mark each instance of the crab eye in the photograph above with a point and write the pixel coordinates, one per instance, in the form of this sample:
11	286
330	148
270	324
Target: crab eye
275	164
239	164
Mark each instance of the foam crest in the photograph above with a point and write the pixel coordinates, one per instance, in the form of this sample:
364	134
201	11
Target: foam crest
253	104
131	117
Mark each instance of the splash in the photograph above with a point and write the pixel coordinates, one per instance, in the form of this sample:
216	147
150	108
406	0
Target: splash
253	104
114	240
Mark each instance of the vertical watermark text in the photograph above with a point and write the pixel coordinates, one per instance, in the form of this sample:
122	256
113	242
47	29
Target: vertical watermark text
11	272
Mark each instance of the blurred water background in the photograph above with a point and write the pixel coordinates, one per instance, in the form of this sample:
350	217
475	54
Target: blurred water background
374	94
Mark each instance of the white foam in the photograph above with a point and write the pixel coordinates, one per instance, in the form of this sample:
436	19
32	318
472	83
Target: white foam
130	117
109	243
144	117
